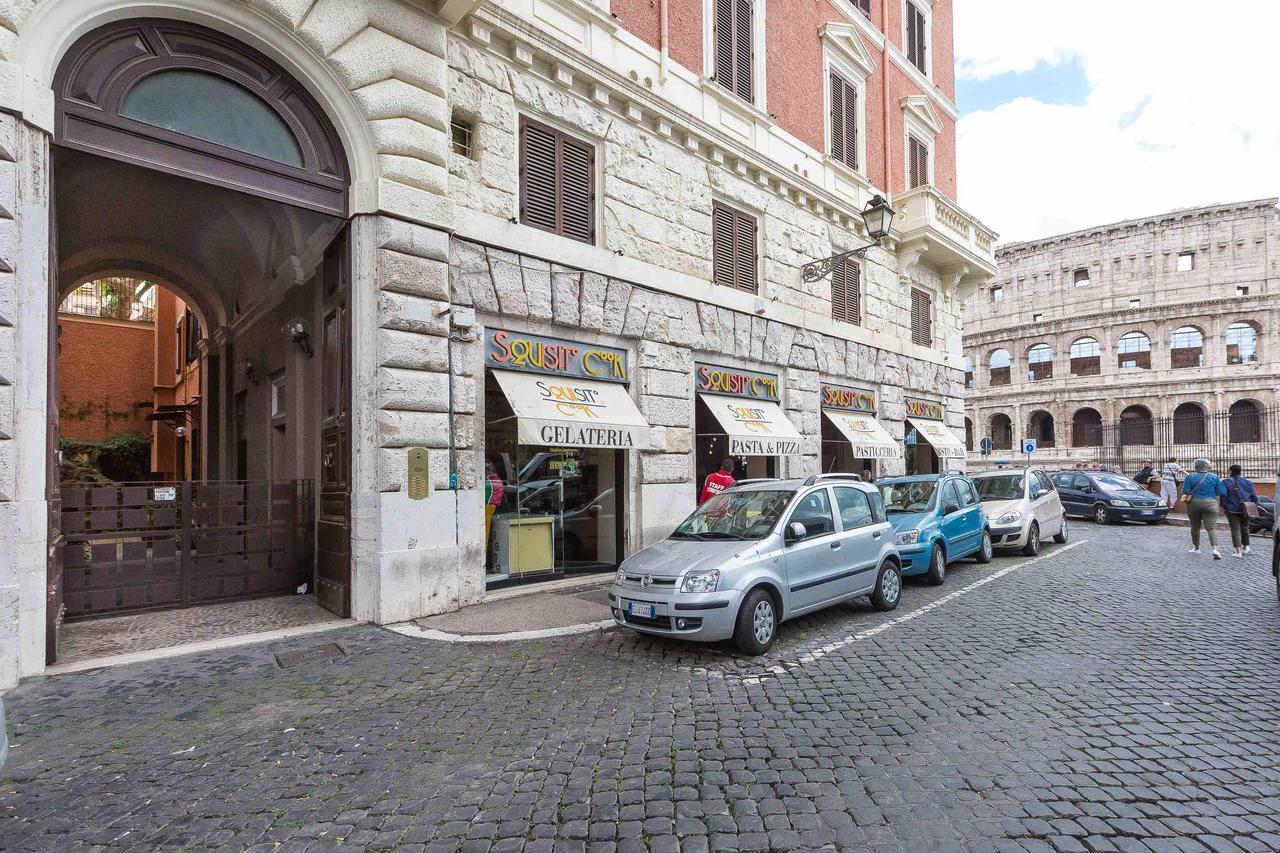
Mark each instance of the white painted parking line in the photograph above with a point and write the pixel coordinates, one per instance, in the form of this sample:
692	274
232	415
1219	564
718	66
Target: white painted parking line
821	652
410	629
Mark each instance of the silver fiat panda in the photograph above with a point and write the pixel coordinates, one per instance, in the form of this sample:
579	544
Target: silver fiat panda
758	554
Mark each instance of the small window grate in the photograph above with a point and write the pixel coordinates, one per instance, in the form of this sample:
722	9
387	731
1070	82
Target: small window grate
316	654
463	132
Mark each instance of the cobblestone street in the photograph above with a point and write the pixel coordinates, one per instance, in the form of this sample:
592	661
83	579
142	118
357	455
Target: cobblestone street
1116	694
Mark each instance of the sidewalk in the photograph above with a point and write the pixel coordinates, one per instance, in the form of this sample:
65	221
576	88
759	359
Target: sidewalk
560	608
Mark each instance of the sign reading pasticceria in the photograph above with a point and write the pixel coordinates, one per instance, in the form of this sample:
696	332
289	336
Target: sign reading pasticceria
925	409
551	356
735	382
848	399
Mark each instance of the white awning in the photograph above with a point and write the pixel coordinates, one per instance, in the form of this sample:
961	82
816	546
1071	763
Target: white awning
870	440
754	427
566	412
944	441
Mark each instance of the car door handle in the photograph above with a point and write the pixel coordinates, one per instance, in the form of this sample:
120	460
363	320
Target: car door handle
835	546
876	535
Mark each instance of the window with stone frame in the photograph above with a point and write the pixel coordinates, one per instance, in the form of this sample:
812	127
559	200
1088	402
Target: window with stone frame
1186	348
1086	357
1039	362
917	33
734	248
733	34
917	162
844	120
557	182
1133	351
921	318
1000	367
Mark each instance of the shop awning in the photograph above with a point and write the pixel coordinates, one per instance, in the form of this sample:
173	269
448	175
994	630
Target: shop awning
944	441
754	427
870	440
565	412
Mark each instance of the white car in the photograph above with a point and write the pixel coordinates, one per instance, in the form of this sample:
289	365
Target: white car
1023	508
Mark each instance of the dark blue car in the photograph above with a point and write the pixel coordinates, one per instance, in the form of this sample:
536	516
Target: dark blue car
1107	497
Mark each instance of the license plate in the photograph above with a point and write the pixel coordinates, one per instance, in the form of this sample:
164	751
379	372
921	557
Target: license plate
646	611
1148	512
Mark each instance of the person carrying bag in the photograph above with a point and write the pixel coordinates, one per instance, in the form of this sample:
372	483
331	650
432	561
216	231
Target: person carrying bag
1203	492
1241	505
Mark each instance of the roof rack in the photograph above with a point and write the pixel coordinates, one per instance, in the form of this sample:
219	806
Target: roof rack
817	478
755	480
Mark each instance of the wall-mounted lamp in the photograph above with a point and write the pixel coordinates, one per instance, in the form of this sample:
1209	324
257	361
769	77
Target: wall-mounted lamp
249	368
296	329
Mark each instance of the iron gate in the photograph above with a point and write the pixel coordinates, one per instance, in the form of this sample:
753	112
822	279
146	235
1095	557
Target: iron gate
146	546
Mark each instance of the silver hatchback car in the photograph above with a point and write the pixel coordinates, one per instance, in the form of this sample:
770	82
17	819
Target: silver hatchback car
758	554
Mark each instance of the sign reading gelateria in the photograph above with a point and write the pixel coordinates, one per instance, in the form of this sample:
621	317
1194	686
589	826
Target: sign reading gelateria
735	382
848	399
925	409
551	356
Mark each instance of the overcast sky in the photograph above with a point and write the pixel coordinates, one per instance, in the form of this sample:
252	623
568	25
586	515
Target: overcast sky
1083	113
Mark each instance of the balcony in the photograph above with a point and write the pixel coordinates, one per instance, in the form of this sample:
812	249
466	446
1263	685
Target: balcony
937	232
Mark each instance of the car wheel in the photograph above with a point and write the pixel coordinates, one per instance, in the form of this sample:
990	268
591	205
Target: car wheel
888	589
757	623
986	550
937	567
1061	537
1032	548
1101	515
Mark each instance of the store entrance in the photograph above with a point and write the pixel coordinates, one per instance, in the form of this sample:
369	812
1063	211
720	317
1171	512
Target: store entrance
921	457
549	511
838	457
712	449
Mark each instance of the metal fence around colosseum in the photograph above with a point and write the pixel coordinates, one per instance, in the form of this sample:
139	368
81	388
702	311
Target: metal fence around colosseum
1250	439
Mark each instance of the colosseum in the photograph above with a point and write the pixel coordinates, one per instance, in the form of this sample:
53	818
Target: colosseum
1138	340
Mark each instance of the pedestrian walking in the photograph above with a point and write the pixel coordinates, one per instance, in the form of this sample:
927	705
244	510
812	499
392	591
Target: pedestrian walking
1275	539
1203	492
1241	506
1171	476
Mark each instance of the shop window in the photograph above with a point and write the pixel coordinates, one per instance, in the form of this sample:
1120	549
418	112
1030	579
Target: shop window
1134	351
557	182
846	291
734	46
921	318
1086	357
1039	363
733	248
1000	367
1186	348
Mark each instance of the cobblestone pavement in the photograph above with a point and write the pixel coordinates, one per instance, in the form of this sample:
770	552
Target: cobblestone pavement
1120	695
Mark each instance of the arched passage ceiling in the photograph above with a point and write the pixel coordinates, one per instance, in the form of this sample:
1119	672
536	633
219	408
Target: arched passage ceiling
225	250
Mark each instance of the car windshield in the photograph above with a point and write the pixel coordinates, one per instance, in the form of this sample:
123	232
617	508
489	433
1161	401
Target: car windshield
1120	484
912	496
1005	487
745	514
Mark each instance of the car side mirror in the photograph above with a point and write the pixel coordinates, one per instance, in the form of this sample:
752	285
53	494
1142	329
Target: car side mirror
796	531
948	508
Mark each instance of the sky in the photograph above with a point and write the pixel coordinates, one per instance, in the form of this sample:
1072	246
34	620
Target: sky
1084	113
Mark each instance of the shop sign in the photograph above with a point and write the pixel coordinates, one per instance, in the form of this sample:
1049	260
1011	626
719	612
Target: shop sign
848	399
925	409
507	350
734	382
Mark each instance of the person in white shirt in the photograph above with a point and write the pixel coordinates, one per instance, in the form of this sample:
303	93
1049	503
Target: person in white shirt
1170	478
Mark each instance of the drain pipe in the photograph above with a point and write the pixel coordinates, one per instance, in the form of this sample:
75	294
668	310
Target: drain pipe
664	39
884	98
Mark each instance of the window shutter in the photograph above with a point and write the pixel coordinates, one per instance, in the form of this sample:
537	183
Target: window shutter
916	37
557	182
724	43
745	252
837	117
921	319
733	53
844	121
846	292
733	248
917	163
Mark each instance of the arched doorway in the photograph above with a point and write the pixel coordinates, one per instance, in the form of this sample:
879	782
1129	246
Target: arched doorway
1001	432
199	166
1136	426
1245	422
1040	427
1189	424
1086	428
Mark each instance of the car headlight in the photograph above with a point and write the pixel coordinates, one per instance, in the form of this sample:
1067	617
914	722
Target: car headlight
621	577
1120	503
701	581
908	537
1010	517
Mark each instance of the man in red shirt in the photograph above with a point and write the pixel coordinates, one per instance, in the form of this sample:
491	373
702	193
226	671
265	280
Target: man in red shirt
717	482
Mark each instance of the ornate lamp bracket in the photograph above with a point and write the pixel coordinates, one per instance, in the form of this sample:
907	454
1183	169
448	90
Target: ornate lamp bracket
818	270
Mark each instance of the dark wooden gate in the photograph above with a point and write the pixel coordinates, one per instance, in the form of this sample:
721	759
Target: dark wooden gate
333	531
144	546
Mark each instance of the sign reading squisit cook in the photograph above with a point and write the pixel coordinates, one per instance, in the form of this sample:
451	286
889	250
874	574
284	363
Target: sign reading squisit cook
735	382
930	409
506	350
848	399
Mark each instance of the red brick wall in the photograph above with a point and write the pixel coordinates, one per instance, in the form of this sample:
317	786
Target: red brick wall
105	373
642	18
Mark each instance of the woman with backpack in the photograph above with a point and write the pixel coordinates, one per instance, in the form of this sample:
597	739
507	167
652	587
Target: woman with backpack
1203	492
1241	506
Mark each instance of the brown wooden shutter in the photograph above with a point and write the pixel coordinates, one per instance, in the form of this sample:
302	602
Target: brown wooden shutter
733	248
844	121
916	37
733	47
557	182
846	292
921	318
917	163
837	117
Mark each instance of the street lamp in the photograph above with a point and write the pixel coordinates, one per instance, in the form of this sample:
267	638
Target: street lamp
878	217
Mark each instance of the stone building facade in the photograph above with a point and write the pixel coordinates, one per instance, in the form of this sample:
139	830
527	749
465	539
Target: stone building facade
1083	338
426	100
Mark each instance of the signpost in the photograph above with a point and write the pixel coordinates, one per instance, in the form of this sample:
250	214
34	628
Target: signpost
1028	447
986	446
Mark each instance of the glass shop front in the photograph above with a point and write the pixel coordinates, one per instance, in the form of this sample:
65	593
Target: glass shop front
559	422
737	418
931	447
853	440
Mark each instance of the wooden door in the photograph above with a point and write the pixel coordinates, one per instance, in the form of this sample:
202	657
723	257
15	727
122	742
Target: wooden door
333	527
54	609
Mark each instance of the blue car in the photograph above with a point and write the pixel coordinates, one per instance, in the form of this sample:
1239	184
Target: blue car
937	519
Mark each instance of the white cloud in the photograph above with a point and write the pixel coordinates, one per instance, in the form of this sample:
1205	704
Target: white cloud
1208	129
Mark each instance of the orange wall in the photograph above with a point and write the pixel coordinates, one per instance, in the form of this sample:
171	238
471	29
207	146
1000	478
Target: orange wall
105	370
